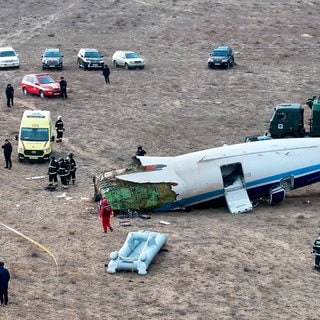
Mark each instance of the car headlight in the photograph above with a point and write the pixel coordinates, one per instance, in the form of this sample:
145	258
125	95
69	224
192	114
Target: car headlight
224	60
47	150
20	149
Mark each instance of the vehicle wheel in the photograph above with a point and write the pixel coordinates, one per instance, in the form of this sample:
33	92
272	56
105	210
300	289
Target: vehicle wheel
25	91
85	66
78	63
115	64
41	94
126	66
228	65
142	67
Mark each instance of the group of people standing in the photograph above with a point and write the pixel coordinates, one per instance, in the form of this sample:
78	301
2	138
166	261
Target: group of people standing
64	168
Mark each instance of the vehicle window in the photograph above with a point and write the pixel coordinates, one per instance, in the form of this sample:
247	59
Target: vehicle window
220	53
92	54
34	134
282	116
46	80
30	79
52	55
7	54
132	55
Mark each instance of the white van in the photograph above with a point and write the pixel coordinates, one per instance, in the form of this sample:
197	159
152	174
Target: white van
35	135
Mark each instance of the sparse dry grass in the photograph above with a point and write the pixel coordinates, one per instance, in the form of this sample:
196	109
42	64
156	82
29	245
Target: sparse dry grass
218	266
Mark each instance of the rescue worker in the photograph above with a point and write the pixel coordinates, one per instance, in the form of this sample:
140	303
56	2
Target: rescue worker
59	128
53	171
68	169
72	168
105	214
316	251
140	151
63	172
63	88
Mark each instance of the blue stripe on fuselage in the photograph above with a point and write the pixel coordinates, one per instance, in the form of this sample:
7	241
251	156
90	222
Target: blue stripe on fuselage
255	189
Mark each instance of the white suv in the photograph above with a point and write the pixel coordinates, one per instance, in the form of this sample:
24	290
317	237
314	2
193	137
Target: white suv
8	58
127	59
89	58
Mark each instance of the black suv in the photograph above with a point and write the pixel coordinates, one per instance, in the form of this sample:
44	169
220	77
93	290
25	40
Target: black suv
52	58
221	57
89	58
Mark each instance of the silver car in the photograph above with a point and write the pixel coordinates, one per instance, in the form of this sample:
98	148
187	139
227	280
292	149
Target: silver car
127	59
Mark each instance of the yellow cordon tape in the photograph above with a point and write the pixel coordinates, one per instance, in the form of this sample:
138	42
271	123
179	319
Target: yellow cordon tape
33	241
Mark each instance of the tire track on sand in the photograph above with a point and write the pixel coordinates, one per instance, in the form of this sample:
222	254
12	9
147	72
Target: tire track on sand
19	36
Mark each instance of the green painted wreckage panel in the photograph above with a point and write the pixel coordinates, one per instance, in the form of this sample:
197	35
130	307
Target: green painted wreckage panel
135	196
128	195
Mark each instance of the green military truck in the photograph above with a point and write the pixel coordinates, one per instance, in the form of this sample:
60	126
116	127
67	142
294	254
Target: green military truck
288	120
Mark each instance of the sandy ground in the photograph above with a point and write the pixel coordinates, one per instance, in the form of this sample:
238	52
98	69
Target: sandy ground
216	265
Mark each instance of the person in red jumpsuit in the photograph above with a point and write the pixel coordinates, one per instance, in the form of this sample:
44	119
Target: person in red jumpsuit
105	214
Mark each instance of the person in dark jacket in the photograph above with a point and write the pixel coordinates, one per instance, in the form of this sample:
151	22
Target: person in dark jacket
7	150
72	168
4	284
63	172
106	73
105	214
140	151
59	128
316	251
63	88
9	94
53	171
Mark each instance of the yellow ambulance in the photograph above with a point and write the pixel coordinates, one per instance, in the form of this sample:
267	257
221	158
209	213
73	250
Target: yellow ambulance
35	135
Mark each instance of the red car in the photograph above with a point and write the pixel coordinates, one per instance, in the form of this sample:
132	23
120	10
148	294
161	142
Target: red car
40	84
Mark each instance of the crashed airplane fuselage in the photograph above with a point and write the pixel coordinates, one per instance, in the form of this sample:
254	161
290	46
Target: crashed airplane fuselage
236	173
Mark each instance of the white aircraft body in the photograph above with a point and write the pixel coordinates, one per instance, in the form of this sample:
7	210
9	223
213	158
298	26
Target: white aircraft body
236	173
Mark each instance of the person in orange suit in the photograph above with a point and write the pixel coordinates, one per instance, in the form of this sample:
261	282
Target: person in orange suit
105	214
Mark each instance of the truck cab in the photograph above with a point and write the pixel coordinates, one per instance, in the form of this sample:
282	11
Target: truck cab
287	121
35	135
314	122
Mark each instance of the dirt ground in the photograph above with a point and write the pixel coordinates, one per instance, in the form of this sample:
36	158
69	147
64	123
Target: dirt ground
216	265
